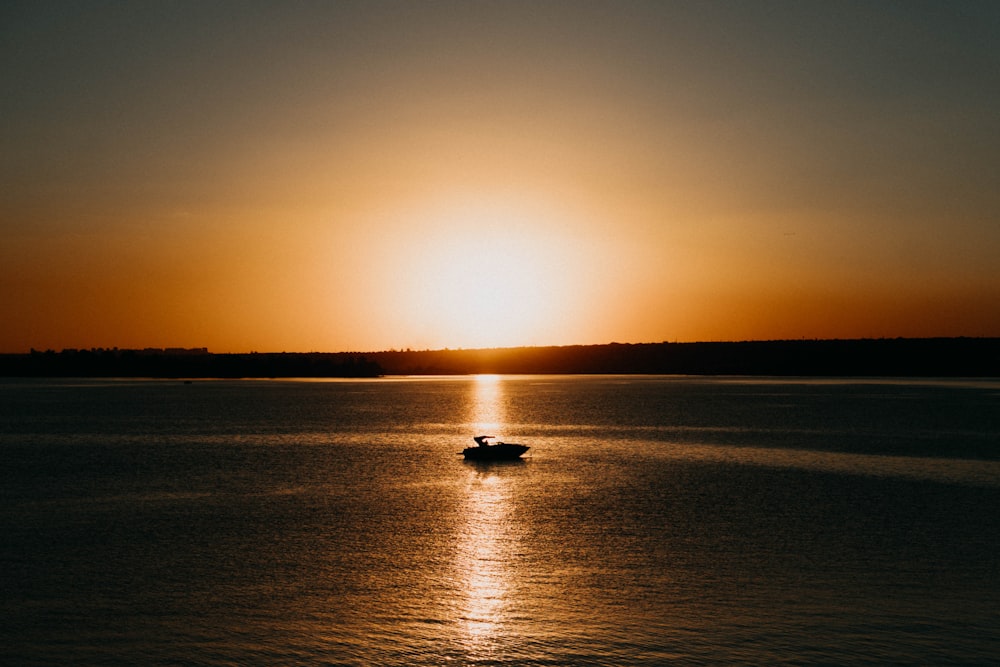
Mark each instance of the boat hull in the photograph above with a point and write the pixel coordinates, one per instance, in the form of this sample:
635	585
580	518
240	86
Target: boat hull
502	451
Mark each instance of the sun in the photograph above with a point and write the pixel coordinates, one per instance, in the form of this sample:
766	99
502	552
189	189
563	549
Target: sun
483	292
486	278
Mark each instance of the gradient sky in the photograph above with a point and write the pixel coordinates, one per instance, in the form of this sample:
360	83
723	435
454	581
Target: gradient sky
371	175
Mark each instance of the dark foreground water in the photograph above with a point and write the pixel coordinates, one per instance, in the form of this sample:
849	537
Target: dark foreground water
657	520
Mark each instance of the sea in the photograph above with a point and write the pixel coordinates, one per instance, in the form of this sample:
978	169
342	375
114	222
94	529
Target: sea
654	520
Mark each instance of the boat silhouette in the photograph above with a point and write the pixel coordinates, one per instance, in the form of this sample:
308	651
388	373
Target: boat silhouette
498	451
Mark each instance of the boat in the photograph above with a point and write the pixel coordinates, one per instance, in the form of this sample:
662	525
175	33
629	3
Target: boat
498	451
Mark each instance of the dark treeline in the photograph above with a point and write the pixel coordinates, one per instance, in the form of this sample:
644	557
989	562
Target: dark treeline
912	357
197	363
917	357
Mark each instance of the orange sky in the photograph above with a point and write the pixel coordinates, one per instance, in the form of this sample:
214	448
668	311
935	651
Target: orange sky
364	176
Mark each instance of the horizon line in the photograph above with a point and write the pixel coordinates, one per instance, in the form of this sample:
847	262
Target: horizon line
206	350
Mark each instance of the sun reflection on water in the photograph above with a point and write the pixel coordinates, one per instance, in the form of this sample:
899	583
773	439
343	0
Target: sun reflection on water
484	552
486	404
488	541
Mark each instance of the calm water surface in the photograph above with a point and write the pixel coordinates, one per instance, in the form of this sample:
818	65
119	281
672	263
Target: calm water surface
655	520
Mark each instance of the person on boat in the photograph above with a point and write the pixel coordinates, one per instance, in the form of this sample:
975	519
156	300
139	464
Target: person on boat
481	440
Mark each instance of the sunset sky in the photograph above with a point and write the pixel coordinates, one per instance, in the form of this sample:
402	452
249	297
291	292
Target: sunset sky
362	176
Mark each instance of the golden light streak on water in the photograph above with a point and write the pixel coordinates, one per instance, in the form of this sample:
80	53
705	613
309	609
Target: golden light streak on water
487	405
485	548
487	540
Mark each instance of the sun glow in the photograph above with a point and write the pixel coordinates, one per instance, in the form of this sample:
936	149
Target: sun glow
483	292
488	276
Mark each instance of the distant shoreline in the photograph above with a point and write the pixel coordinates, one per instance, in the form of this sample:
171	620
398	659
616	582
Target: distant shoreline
902	357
